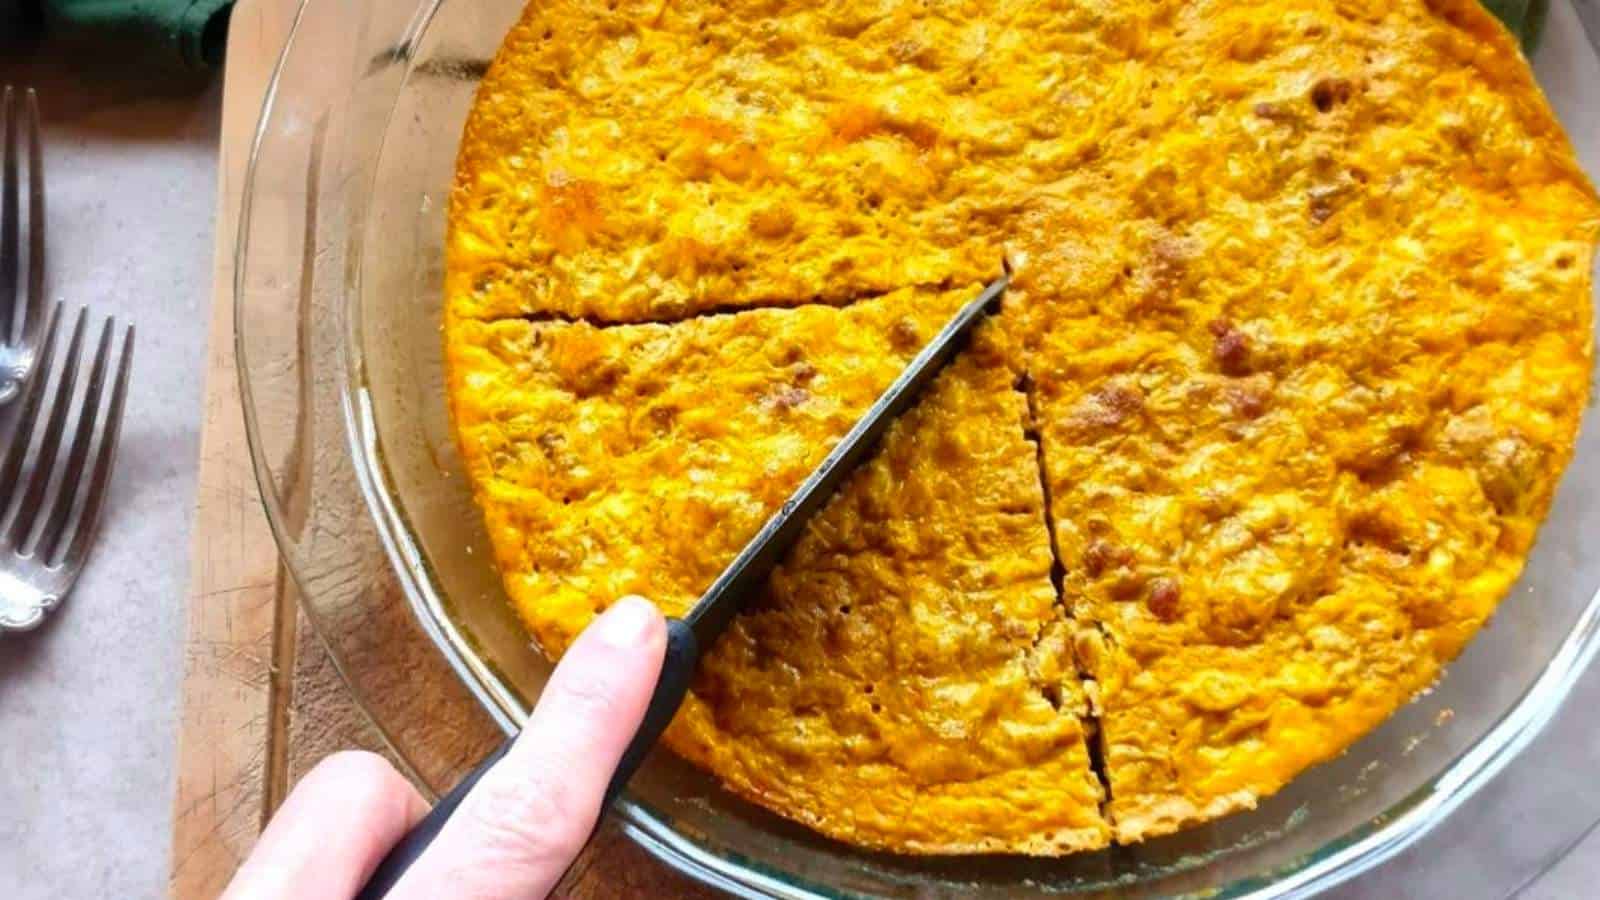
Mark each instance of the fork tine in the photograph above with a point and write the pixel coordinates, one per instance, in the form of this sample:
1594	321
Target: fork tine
8	216
33	311
77	450
27	418
26	513
105	460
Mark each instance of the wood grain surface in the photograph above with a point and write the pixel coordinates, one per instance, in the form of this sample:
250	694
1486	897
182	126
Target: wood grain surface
234	601
262	700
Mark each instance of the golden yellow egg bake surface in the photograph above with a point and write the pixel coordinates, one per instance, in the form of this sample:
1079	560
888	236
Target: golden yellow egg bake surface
1295	354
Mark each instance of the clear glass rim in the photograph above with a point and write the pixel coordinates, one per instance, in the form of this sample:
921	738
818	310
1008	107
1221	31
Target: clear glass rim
1343	858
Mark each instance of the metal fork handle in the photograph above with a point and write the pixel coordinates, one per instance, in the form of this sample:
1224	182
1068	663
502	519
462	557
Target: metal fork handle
20	324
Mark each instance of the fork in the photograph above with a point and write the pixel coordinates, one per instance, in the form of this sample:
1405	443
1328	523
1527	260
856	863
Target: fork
50	509
19	328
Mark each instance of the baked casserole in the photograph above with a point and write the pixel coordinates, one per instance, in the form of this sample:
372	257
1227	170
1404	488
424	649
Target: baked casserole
1295	352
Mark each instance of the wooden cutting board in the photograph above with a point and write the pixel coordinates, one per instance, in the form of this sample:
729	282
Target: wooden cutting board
262	701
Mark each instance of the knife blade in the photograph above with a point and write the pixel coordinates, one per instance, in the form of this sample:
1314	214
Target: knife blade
743	577
740	581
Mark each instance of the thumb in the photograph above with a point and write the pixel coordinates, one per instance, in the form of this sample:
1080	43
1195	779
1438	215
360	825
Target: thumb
521	826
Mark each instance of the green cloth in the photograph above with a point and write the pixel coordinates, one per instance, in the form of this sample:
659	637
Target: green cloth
1525	18
190	33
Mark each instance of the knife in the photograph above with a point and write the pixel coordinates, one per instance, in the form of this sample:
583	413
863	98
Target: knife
741	580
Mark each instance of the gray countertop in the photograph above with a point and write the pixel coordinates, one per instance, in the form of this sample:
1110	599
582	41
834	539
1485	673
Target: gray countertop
88	705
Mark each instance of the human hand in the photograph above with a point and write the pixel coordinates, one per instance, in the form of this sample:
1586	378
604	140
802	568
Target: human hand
522	824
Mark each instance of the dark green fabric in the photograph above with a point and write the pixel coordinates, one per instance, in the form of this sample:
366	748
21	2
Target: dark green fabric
190	33
1525	18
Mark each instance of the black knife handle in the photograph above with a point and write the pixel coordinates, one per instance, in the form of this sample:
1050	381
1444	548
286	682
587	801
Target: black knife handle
677	670
402	855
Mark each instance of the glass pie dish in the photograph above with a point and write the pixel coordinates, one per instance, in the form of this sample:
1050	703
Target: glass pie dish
339	266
